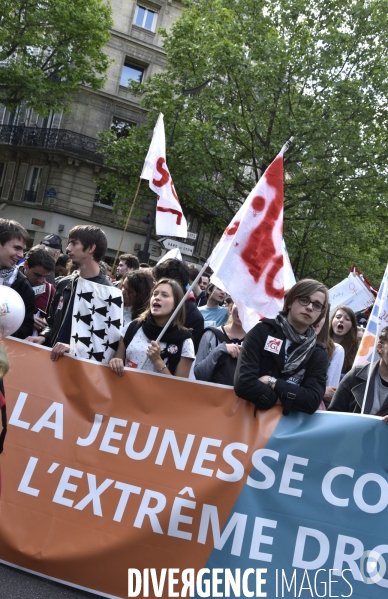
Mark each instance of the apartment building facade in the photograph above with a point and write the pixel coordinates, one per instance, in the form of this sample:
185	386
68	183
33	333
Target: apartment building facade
50	167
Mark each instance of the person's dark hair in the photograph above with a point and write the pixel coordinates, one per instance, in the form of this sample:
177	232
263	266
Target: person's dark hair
177	292
193	272
130	260
306	287
144	265
324	337
62	260
10	229
350	341
142	284
40	256
383	337
90	235
172	269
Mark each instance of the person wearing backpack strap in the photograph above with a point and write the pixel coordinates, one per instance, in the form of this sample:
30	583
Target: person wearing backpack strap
218	351
174	354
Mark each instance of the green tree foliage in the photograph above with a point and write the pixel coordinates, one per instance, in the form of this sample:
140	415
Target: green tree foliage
48	47
314	69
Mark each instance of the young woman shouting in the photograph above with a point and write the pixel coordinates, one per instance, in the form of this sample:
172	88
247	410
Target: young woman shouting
174	353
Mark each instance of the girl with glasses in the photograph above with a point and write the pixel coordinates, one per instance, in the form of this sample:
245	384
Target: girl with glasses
281	361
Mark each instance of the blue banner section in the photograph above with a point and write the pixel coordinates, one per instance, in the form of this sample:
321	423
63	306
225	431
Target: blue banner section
313	514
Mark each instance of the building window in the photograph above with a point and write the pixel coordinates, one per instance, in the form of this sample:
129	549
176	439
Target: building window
47	121
13	117
131	72
145	18
33	184
103	200
121	127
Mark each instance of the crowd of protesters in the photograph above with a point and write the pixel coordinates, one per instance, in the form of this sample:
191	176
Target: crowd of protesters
295	360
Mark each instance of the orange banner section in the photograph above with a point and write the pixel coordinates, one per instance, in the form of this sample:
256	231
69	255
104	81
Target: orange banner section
101	473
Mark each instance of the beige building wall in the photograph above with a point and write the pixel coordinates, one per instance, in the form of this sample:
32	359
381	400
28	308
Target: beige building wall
62	192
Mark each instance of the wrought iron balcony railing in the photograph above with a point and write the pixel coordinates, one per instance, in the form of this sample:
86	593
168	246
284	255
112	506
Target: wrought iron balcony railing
53	139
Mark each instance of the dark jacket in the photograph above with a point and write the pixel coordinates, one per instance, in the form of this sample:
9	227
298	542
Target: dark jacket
201	300
213	362
24	289
351	390
254	361
64	291
194	321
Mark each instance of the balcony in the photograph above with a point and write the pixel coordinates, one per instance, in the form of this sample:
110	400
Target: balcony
52	139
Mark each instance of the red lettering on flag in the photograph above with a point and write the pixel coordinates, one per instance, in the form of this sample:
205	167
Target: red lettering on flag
260	252
178	214
232	229
165	174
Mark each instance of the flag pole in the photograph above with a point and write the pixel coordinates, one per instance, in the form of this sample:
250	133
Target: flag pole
170	320
126	225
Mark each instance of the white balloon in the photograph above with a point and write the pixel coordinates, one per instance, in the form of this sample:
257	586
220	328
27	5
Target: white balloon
12	311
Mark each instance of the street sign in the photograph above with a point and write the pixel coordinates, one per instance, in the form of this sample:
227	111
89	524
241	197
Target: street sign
191	235
170	244
51	193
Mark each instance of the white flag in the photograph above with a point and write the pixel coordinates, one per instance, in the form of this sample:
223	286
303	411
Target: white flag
248	259
173	254
169	215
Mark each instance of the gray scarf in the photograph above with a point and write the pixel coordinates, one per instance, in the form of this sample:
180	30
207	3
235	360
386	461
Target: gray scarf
305	344
9	275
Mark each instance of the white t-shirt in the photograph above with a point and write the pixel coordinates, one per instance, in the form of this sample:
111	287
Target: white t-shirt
127	314
335	366
136	350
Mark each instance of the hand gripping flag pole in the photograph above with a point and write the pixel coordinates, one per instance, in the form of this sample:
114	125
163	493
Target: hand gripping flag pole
170	320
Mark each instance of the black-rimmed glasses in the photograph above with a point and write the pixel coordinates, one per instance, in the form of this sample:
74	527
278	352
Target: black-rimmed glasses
306	301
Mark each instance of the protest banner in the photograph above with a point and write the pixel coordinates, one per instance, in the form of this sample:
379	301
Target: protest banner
351	292
103	474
